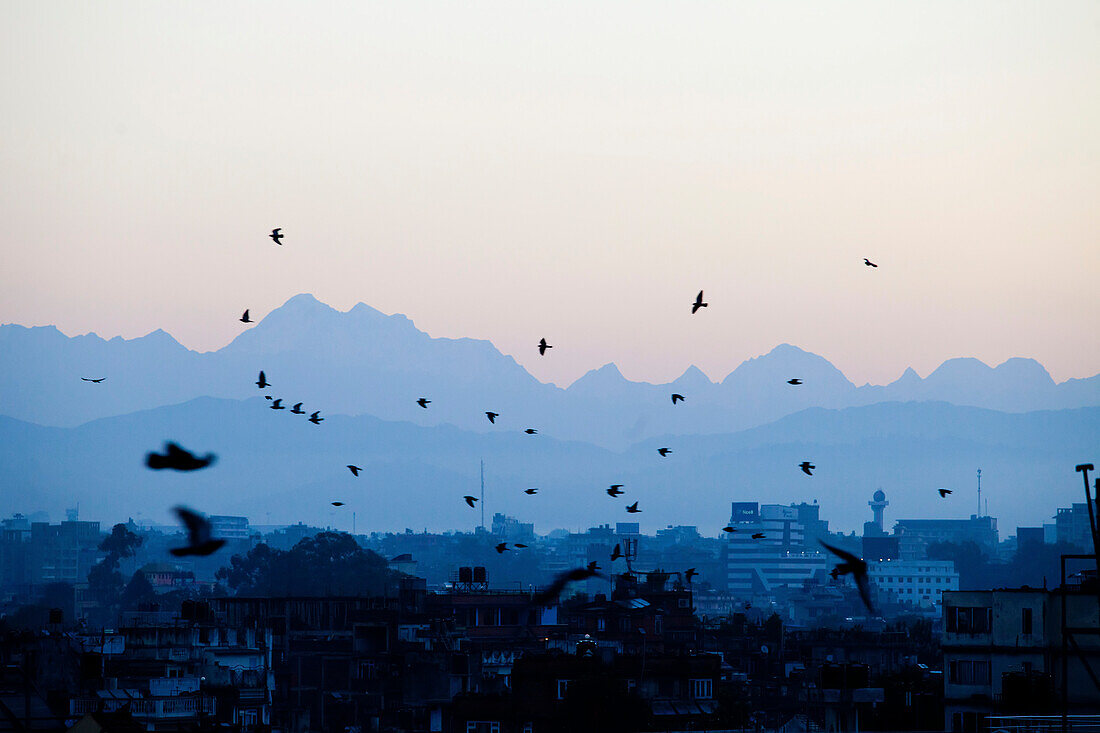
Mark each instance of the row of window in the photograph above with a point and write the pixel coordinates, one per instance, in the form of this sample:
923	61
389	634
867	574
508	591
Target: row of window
701	689
979	620
967	672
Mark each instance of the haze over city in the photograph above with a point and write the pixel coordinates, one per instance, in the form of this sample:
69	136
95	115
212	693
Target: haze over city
502	367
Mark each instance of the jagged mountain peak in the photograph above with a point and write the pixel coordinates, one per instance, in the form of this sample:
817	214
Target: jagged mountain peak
787	361
693	376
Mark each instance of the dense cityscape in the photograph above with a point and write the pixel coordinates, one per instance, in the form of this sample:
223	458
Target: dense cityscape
306	628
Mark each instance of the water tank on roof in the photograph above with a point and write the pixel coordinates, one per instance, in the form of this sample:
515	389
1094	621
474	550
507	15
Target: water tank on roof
465	575
479	574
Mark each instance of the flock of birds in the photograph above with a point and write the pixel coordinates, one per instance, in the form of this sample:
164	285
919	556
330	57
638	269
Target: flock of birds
202	543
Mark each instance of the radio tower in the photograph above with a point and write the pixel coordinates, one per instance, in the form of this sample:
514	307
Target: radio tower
979	492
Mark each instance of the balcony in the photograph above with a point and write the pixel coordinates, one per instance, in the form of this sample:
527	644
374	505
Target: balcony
163	708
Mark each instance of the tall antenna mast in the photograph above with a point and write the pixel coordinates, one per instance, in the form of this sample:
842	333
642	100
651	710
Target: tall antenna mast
979	492
483	493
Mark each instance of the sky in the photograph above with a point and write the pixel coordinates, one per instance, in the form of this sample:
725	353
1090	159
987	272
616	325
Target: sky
569	170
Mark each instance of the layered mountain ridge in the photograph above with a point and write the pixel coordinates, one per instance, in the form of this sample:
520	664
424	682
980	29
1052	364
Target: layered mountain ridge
362	361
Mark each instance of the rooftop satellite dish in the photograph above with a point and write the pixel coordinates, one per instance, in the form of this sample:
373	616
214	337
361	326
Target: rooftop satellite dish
763	648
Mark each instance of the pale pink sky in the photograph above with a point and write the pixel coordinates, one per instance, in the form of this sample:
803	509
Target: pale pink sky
573	170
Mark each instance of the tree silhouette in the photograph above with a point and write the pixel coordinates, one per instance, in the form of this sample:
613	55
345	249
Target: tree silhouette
329	563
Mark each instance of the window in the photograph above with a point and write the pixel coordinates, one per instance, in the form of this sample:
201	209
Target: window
563	688
601	624
967	672
701	689
1025	626
969	620
482	726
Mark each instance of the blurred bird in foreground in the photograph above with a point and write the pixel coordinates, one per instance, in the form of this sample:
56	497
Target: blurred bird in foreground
854	565
552	592
199	535
178	459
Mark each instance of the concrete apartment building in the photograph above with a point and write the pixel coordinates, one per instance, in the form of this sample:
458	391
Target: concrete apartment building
1003	654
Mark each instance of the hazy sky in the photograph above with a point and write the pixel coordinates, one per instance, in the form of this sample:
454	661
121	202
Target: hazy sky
570	170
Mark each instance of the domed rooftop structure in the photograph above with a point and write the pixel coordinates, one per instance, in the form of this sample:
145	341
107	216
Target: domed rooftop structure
879	495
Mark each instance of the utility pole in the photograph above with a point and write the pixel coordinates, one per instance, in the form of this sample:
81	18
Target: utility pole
979	492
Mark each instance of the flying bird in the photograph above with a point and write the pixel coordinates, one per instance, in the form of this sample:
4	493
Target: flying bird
794	381
277	235
857	567
492	417
93	381
807	468
664	452
530	491
552	592
268	397
245	318
869	263
277	405
633	508
530	431
677	398
520	545
943	492
199	535
543	346
337	503
354	469
691	573
262	381
617	552
471	500
297	409
615	490
423	402
178	459
316	418
698	303
593	565
502	547
729	528
758	535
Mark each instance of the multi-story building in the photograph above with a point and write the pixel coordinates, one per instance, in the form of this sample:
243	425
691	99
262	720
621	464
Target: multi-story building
62	553
915	535
1004	651
511	529
777	560
173	672
234	529
1072	526
916	582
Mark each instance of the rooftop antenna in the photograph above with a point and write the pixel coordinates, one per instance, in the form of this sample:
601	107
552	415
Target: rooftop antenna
483	493
979	492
